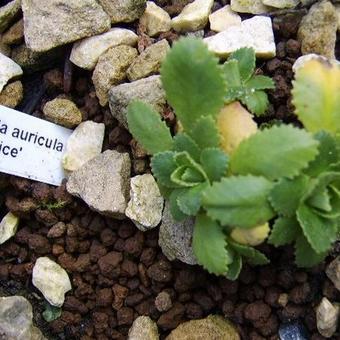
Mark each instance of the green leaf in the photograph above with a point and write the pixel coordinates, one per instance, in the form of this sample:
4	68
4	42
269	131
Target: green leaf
260	83
321	200
280	151
181	178
205	133
193	81
51	313
305	256
285	231
232	73
246	61
287	194
163	165
147	128
176	212
183	142
184	159
239	201
189	201
234	268
210	246
214	162
320	232
256	102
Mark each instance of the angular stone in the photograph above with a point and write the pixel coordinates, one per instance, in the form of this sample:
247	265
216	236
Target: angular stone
143	328
8	227
12	94
193	17
86	53
327	316
249	6
15	34
256	32
16	317
103	183
8	70
111	70
317	31
281	3
123	10
146	202
8	13
213	327
175	238
149	61
148	90
62	111
333	272
53	23
155	20
51	280
223	18
85	143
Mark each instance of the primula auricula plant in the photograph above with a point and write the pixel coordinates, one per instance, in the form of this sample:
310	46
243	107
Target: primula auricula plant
281	172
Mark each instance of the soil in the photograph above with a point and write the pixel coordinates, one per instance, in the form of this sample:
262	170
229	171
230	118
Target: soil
118	272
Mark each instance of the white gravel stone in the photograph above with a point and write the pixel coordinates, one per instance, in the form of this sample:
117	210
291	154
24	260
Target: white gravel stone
155	19
193	17
8	70
146	202
327	316
256	32
281	3
52	280
299	62
85	143
249	6
143	328
8	227
333	272
86	52
224	18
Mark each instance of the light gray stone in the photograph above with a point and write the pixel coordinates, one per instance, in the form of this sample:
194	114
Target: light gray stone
8	227
317	31
249	6
223	18
146	202
148	90
8	70
16	320
8	13
111	70
12	94
281	3
51	280
143	328
333	272
103	183
53	23
86	52
327	316
175	238
123	10
85	143
149	61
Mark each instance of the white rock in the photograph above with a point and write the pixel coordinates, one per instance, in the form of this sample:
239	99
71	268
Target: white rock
86	52
249	6
333	272
281	3
155	19
143	328
52	280
8	227
299	62
224	18
146	202
256	32
327	316
193	17
85	143
8	70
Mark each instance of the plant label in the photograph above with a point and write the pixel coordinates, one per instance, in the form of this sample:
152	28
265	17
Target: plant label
31	147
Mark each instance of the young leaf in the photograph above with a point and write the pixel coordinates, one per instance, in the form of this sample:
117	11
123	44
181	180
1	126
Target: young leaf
285	231
232	73
256	102
163	165
214	162
246	62
234	268
205	133
183	142
280	151
260	83
193	81
239	201
182	178
176	212
210	246
147	128
321	200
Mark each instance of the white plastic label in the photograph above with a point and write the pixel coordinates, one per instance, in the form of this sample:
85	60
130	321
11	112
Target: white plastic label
31	147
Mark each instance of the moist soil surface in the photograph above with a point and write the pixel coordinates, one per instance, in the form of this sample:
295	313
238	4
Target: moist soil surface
116	270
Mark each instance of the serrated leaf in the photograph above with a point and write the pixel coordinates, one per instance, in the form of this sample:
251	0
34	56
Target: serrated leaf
246	61
181	178
191	71
215	163
280	151
147	128
285	231
305	256
205	133
232	73
256	102
287	194
176	212
183	142
163	165
319	232
260	83
210	246
234	268
320	200
239	201
184	159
